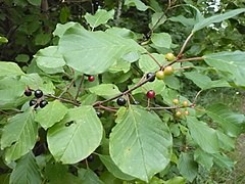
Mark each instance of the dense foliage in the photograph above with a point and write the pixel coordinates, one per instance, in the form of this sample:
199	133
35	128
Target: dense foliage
111	91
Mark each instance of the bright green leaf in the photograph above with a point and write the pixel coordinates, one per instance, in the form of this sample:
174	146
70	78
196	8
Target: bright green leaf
50	60
157	19
61	28
147	64
105	90
19	135
139	4
51	114
140	143
100	17
3	39
26	170
112	168
176	180
217	18
76	137
9	69
203	135
79	46
161	40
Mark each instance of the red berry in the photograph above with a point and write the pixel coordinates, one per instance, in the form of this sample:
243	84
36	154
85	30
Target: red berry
150	94
91	78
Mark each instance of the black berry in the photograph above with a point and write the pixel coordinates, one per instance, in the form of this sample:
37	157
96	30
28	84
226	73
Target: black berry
33	102
28	92
150	76
99	114
121	101
38	93
43	103
90	158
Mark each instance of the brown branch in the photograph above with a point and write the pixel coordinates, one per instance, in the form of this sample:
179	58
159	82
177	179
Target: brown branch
124	93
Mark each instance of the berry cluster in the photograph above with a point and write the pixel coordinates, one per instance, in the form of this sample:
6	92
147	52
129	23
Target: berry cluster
39	100
181	113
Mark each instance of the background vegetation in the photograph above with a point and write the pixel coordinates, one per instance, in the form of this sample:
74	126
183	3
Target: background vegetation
85	54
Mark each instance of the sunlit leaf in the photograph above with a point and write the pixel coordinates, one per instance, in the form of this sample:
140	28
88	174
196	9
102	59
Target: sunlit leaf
51	114
217	18
94	52
76	137
19	135
140	143
100	17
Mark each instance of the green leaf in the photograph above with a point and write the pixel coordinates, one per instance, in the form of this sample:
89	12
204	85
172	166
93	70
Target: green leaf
61	28
53	113
23	58
113	169
157	19
176	180
87	176
100	17
79	46
217	18
232	63
10	69
19	135
183	20
3	39
203	158
50	60
205	82
35	2
42	39
26	170
105	90
76	137
147	64
203	135
187	166
140	143
11	90
139	4
57	173
161	40
225	142
231	122
223	161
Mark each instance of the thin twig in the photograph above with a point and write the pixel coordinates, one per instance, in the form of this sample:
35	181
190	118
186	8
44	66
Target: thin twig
184	45
79	87
76	103
67	88
154	59
195	99
124	93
